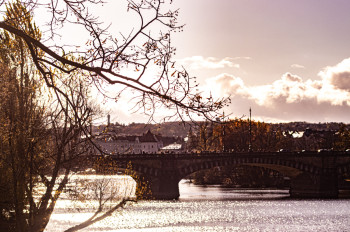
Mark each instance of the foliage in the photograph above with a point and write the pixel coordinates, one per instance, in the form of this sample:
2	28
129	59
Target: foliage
22	125
41	131
236	136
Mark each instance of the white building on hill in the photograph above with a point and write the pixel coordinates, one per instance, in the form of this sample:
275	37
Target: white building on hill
112	144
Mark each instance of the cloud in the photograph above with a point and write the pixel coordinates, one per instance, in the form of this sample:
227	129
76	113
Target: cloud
338	76
224	85
297	66
199	62
291	97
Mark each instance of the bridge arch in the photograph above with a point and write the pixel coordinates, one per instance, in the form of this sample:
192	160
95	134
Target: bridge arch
288	168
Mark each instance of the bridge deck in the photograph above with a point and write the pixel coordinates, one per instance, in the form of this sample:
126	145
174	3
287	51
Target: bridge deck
228	154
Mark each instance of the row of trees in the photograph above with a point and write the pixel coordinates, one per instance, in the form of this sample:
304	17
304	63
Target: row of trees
237	135
241	135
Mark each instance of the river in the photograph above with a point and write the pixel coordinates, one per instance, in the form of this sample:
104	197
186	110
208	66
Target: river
213	208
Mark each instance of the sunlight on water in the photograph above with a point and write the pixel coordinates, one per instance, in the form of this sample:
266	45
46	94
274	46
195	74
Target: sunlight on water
218	209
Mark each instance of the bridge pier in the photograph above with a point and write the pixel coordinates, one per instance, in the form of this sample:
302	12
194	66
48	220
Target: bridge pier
164	185
315	186
157	188
164	188
323	184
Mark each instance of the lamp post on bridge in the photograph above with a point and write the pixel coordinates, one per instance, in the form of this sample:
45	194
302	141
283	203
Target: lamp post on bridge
250	130
223	133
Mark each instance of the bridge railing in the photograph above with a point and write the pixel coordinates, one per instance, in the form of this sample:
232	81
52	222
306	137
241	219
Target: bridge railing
227	154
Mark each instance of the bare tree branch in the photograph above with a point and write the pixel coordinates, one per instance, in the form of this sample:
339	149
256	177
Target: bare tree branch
108	59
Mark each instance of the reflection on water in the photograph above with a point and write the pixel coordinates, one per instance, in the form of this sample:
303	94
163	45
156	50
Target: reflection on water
220	209
189	192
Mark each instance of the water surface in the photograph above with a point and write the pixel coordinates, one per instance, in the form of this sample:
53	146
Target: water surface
203	208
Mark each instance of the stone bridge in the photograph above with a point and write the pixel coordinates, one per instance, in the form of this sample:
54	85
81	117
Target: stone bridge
312	174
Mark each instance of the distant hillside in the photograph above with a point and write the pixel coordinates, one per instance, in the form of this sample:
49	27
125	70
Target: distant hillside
302	126
170	129
179	129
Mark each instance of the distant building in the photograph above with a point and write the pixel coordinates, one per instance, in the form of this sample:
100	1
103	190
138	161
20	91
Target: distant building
113	144
172	148
150	143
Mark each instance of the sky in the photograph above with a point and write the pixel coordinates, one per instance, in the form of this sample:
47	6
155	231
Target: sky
287	60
